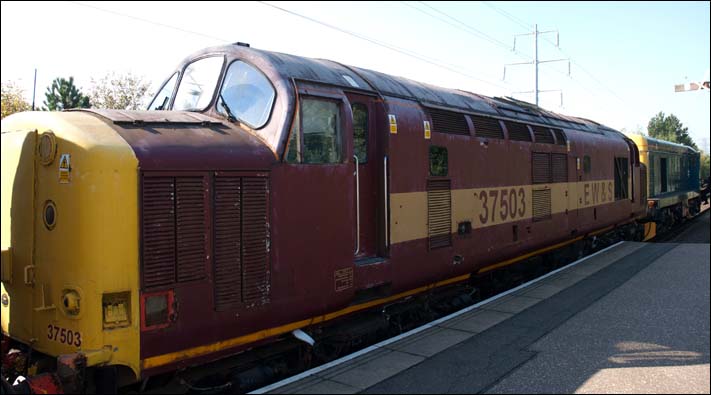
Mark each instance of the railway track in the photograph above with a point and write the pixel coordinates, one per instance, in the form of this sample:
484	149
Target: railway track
671	235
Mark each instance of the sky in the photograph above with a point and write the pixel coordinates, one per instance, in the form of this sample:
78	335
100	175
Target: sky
625	57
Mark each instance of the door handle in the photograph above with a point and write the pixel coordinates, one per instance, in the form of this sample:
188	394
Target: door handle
29	280
357	177
385	205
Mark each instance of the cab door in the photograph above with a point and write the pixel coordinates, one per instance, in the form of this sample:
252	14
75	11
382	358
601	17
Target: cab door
312	203
367	168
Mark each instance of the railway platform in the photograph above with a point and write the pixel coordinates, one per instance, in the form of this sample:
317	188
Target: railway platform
633	318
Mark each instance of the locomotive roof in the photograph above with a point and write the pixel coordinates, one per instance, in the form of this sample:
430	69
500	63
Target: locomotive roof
650	143
350	77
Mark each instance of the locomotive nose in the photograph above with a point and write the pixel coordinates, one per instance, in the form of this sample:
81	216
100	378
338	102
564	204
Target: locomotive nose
60	172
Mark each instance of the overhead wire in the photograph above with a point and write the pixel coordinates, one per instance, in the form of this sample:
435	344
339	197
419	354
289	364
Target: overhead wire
433	61
424	58
461	26
149	21
522	23
466	27
588	73
384	44
498	43
508	15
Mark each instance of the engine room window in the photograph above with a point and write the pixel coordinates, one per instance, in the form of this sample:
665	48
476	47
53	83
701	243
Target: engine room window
162	99
246	95
360	132
438	161
586	164
198	84
316	134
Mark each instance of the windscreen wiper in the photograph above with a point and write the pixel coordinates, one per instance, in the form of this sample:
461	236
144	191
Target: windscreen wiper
165	102
230	116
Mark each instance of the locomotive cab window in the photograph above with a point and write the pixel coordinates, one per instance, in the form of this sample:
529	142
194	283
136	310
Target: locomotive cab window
360	132
587	166
438	161
197	86
316	133
162	99
246	94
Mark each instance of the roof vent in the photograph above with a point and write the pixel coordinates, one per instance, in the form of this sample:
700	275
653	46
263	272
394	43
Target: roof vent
241	44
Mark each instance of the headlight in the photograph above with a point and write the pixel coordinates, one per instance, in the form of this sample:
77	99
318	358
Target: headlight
70	301
156	310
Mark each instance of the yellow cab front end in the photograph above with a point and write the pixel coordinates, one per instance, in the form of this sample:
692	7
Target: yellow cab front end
70	241
642	142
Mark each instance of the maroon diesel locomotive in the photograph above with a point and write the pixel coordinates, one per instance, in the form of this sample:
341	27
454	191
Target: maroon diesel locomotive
330	189
278	196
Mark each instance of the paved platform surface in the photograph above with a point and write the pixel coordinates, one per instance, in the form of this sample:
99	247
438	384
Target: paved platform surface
650	335
633	319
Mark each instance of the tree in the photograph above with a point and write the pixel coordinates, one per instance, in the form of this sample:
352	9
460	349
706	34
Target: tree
118	92
12	99
62	95
637	130
670	129
705	165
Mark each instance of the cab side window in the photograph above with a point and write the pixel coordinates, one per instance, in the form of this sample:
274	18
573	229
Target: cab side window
162	99
316	133
360	132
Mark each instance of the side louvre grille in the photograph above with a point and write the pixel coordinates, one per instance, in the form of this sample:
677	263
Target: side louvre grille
241	242
541	168
448	122
543	135
174	230
560	137
255	240
487	127
518	131
439	213
228	242
177	215
541	204
158	231
560	167
191	230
